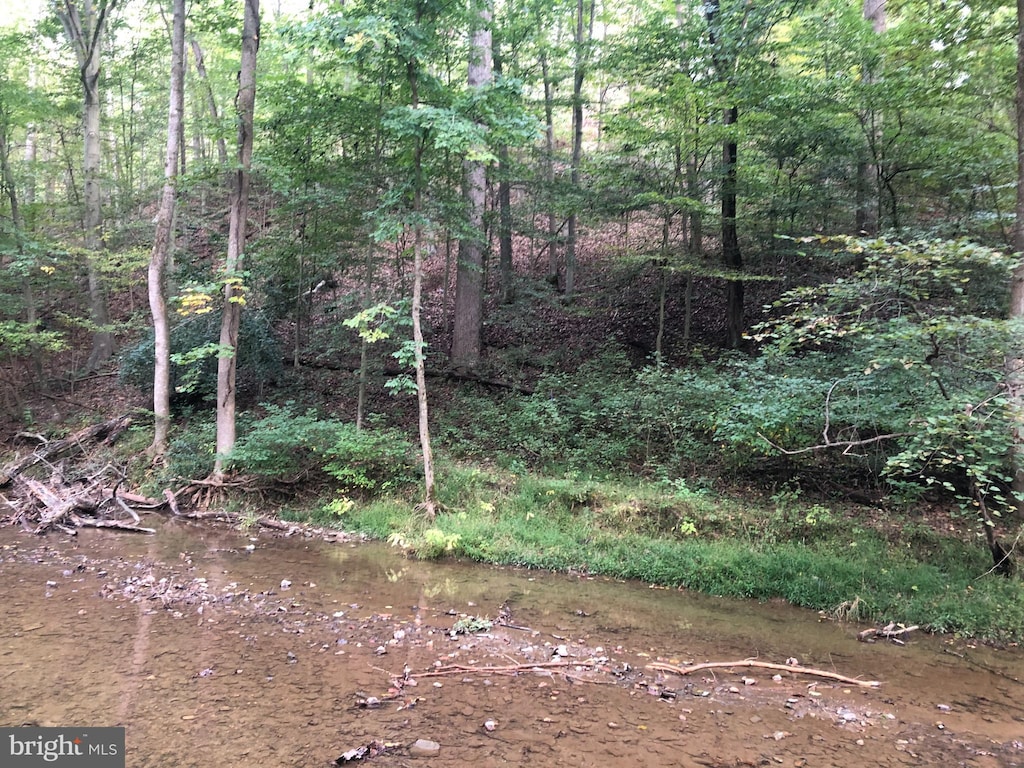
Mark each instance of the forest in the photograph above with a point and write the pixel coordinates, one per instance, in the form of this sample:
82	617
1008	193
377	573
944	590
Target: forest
720	295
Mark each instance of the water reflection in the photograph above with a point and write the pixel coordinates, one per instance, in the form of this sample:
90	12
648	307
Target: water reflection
270	676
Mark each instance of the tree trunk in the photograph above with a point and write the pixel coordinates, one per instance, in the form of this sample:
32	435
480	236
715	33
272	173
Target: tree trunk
1015	362
211	100
469	272
505	266
549	168
725	62
239	206
731	256
582	37
162	240
868	193
84	29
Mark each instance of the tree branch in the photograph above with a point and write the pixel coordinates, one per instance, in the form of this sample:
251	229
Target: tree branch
846	445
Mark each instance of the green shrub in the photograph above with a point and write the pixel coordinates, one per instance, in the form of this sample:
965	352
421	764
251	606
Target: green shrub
578	422
286	445
283	444
370	460
194	341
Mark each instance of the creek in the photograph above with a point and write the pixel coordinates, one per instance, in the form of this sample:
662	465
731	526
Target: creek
218	647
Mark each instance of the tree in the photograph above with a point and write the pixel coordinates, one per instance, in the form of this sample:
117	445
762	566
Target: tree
867	170
581	59
469	277
725	60
1015	361
156	278
84	28
234	294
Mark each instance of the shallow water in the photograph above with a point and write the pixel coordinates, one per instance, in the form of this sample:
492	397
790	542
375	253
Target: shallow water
222	665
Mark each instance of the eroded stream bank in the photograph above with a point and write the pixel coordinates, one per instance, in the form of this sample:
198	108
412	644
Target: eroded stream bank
225	663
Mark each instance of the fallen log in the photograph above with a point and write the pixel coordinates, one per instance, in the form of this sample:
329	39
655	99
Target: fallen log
662	667
88	522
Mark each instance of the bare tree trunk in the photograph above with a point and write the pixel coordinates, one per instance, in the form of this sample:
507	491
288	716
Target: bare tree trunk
732	258
1015	363
84	29
162	240
469	272
584	33
228	358
505	266
549	167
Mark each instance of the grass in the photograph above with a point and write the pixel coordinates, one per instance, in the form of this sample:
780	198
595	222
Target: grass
809	555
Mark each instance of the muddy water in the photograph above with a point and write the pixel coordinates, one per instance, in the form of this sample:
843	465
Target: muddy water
214	649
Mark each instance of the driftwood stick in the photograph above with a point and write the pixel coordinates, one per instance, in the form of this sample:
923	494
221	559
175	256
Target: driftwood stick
456	669
890	632
662	667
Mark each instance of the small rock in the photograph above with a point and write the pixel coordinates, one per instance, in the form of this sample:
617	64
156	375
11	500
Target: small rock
424	748
561	651
489	725
285	584
943	707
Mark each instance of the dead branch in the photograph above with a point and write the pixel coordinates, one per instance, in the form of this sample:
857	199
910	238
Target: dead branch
510	669
662	667
88	522
846	445
106	430
889	632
